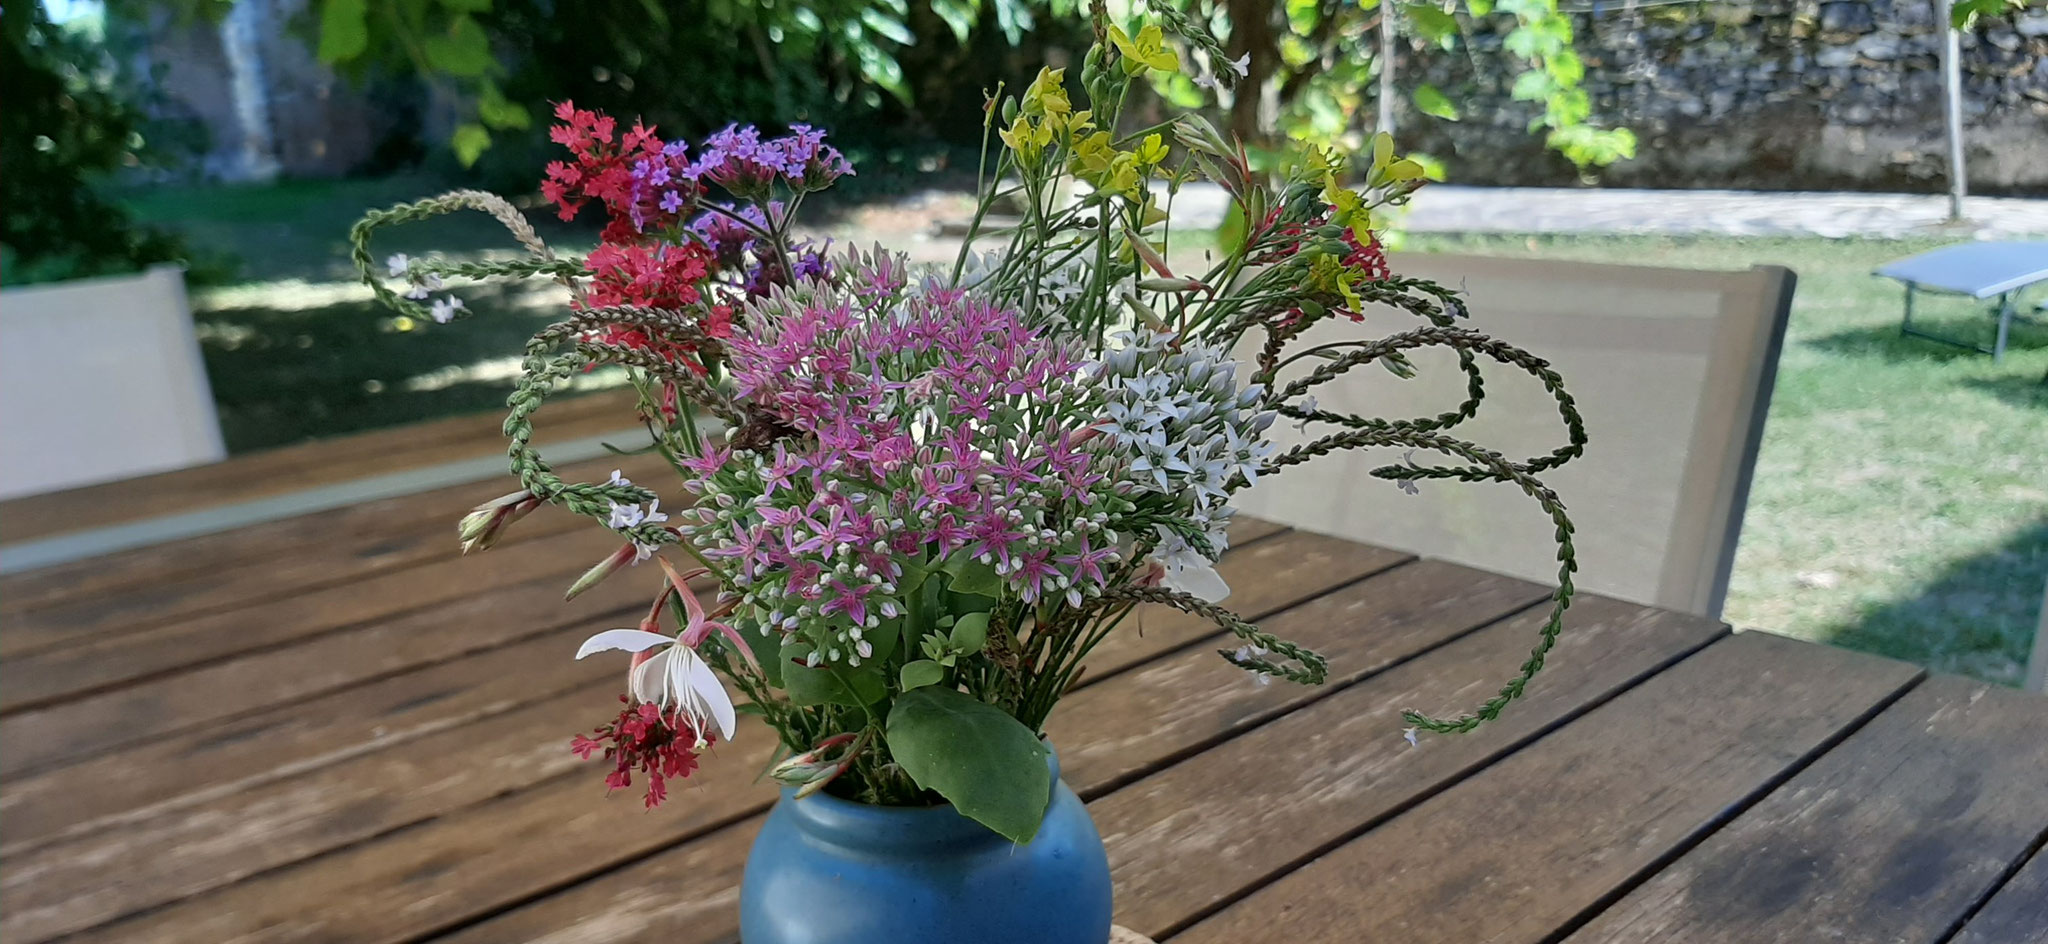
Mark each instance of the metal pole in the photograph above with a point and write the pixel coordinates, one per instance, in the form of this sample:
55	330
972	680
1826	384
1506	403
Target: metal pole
1390	14
1952	100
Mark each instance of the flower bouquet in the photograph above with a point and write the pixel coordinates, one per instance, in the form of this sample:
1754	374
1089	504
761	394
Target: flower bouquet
917	498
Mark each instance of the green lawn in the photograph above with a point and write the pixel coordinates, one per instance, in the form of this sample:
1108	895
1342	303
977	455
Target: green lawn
1900	504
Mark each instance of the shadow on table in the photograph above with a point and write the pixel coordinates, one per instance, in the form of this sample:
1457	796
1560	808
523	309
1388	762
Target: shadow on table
1977	616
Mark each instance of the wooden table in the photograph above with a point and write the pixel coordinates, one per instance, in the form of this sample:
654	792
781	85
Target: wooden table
333	729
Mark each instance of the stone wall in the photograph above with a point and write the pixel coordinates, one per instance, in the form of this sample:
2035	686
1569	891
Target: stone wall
1771	95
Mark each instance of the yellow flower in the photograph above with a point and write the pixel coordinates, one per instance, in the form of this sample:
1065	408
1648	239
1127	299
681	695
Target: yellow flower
1151	151
1148	51
1103	166
1329	274
1386	168
1047	95
1347	208
1029	139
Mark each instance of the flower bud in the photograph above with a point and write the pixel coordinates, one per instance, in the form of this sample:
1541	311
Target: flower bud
1172	285
486	523
604	568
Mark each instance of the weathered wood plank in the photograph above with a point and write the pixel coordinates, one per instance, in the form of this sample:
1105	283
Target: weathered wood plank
239	685
1170	707
1199	834
1369	624
59	888
1280	568
2018	912
303	733
307	465
156	585
1892	836
1515	852
54	676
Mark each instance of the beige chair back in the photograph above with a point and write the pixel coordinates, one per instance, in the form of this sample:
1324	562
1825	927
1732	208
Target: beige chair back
1672	369
101	379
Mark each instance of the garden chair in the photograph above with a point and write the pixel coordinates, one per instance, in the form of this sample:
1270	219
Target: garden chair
1672	369
101	380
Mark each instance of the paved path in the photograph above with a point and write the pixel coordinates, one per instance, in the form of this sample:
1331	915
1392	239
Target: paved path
1440	209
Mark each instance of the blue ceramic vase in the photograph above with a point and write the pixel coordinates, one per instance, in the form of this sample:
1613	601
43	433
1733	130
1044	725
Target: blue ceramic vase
830	871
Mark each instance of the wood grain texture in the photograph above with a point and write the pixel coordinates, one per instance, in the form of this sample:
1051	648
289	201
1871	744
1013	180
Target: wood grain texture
1193	698
1289	567
2018	912
1893	836
1516	851
522	752
307	465
303	733
151	586
1367	624
1199	834
53	676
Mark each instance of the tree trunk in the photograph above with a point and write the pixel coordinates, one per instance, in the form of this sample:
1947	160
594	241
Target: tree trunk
1251	30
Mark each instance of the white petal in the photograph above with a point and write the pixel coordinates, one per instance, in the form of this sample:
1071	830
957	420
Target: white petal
1201	582
650	678
629	640
700	685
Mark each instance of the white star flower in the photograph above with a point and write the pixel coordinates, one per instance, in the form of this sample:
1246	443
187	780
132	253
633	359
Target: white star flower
445	308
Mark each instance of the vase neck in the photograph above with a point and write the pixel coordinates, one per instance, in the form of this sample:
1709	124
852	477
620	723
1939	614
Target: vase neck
924	829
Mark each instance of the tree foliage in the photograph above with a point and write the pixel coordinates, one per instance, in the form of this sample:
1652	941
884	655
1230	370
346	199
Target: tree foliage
71	121
1310	63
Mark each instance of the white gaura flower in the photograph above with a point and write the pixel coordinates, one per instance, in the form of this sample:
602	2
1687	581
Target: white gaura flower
1186	569
396	265
675	677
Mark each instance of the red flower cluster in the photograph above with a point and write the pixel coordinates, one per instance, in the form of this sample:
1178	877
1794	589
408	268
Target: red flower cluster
643	738
1369	259
602	169
657	276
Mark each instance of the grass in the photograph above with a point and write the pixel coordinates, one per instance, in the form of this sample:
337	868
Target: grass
296	349
1900	504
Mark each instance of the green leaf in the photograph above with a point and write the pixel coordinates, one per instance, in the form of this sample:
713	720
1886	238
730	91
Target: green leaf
987	764
834	685
959	18
463	51
1533	86
499	112
1429	101
1230	233
971	576
470	142
921	673
1479	7
887	26
767	648
970	633
1432	23
468	6
344	30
